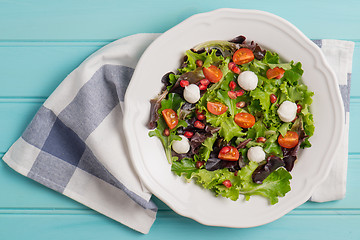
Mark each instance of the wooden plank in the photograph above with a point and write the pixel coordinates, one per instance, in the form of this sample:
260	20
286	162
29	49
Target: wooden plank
113	19
17	187
17	114
14	119
171	226
51	62
35	70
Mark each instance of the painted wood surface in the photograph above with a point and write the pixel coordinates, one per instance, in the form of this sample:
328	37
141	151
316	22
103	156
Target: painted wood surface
41	42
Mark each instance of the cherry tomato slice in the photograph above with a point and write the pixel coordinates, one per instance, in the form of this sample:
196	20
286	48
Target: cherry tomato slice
276	72
290	140
229	153
242	56
170	117
216	108
244	120
213	74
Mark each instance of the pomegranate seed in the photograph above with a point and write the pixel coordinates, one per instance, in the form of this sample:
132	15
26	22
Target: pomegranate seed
200	116
235	173
199	63
184	83
273	98
188	134
299	107
199	125
204	82
197	111
261	140
236	69
225	150
232	94
240	92
232	85
166	132
240	104
202	87
227	183
199	164
231	65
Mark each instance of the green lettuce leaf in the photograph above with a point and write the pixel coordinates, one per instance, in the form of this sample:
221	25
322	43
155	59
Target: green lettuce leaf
277	184
185	167
207	147
294	74
229	129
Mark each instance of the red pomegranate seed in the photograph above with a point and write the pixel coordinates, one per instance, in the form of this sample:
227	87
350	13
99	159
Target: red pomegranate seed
227	183
225	150
199	125
261	140
236	69
204	82
231	65
232	85
199	63
232	94
200	116
184	83
299	107
202	87
240	92
197	111
240	104
273	98
166	132
188	134
235	173
199	164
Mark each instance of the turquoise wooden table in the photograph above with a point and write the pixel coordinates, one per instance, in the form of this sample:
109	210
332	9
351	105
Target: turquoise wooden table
43	41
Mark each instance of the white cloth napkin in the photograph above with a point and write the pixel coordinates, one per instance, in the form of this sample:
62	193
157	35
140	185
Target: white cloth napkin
75	142
339	55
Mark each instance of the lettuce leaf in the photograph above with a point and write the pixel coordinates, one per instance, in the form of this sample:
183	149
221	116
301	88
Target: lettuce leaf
173	101
207	148
185	167
229	129
277	184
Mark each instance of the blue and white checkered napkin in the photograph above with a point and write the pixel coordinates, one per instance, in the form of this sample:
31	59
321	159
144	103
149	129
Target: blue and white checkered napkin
75	142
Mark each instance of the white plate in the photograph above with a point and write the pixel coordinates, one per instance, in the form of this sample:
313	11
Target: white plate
165	54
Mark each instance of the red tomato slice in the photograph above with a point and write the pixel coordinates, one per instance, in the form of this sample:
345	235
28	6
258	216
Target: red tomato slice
290	140
229	153
170	117
244	120
213	74
216	108
242	56
276	72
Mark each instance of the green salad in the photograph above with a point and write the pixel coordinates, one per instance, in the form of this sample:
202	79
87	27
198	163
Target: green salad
232	118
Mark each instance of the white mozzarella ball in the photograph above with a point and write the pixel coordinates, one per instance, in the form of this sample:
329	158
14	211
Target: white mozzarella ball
247	80
256	154
287	111
182	146
192	93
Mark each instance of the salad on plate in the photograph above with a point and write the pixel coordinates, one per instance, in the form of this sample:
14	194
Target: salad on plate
233	118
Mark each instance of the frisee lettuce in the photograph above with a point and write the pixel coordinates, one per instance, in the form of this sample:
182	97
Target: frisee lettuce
277	184
267	125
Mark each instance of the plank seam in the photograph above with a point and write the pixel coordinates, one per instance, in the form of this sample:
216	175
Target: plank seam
78	42
40	211
24	99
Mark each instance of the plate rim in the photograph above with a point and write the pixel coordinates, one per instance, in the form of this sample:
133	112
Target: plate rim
336	100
